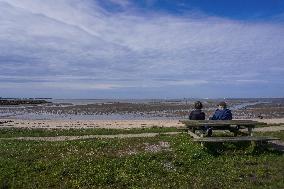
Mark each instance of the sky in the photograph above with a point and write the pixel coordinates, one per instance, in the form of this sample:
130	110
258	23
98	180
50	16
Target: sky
142	48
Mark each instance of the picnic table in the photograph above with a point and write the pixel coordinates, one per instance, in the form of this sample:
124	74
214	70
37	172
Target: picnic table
235	126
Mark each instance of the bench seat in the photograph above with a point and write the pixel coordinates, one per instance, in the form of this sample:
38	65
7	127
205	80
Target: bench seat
221	122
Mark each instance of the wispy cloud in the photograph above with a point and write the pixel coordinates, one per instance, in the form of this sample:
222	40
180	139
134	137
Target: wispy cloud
56	41
122	3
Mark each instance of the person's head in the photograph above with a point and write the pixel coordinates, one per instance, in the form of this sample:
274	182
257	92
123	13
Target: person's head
222	105
198	105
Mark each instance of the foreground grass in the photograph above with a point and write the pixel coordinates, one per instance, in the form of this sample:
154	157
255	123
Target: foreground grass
278	134
159	162
43	132
31	132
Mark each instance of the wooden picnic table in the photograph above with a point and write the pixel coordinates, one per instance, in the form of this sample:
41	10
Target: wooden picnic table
231	125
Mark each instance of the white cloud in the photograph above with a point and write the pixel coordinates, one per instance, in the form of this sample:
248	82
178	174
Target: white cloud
122	3
48	40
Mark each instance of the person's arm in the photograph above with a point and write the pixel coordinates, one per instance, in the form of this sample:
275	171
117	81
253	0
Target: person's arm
214	117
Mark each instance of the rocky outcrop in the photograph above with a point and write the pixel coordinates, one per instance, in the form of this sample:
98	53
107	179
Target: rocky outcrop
20	102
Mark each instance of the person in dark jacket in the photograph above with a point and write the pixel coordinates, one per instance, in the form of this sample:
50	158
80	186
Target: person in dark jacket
222	113
197	113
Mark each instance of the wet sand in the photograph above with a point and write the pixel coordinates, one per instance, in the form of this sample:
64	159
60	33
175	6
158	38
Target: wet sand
152	110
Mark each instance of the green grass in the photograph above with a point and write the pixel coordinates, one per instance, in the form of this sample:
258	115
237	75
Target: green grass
43	132
128	163
278	134
269	125
26	132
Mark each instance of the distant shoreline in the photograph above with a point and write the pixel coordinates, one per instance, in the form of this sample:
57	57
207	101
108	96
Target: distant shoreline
6	102
132	110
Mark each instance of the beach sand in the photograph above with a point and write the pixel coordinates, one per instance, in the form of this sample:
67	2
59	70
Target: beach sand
112	124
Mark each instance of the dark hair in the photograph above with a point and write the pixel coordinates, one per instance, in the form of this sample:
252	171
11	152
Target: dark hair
198	105
223	104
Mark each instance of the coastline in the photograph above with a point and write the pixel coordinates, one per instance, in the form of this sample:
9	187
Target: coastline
107	124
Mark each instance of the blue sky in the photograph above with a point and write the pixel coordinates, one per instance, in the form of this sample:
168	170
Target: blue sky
142	48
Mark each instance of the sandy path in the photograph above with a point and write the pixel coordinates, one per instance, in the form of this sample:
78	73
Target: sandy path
67	138
114	124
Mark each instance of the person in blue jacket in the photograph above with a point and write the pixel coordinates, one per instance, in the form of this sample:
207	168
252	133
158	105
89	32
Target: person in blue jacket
222	113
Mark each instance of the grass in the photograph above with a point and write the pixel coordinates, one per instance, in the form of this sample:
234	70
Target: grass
158	162
27	132
43	132
277	134
269	125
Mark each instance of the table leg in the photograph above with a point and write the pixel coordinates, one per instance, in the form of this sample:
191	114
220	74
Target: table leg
250	131
237	130
235	133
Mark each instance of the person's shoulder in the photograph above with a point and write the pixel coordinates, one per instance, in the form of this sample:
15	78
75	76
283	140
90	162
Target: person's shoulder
196	111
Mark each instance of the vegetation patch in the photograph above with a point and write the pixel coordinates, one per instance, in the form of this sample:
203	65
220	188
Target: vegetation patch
158	162
31	132
277	134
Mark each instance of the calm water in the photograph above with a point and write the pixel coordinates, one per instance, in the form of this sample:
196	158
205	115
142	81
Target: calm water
95	101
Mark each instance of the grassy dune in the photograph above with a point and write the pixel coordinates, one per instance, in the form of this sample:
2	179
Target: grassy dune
158	162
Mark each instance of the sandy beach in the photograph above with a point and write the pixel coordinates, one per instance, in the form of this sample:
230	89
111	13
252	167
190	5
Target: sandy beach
113	124
66	124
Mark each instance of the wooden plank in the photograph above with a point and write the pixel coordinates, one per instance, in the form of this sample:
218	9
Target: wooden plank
215	127
220	123
234	139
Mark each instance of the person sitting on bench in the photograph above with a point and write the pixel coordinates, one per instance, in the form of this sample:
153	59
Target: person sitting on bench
197	114
222	113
